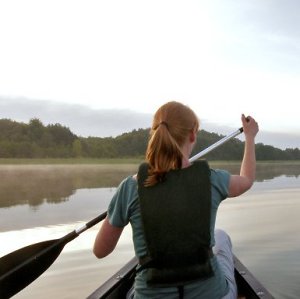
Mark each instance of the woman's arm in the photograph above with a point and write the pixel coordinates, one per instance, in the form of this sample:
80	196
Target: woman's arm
239	184
106	239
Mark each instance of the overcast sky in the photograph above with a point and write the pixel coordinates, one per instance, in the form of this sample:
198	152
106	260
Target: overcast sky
104	67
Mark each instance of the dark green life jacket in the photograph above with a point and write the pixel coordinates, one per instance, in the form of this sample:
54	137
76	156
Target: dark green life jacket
176	223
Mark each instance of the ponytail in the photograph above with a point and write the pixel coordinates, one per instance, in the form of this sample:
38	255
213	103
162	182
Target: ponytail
171	125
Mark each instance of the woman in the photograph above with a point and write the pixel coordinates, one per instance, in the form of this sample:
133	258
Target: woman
172	206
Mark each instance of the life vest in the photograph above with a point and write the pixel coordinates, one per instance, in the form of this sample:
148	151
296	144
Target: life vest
176	223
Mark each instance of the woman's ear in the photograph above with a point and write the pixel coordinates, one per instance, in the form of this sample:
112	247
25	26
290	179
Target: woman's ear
193	136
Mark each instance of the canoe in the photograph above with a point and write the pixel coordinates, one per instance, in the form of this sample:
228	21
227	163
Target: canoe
117	286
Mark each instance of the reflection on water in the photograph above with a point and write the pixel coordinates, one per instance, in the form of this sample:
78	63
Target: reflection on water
83	205
263	224
265	170
34	185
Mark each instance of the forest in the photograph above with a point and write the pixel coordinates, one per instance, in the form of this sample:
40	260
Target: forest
35	140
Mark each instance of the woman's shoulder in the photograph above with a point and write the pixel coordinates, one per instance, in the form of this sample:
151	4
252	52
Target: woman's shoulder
217	175
128	184
131	180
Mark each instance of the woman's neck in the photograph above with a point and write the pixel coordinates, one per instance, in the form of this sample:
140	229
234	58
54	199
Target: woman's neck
185	162
186	150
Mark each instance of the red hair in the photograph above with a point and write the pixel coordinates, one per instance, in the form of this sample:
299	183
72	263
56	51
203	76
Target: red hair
172	124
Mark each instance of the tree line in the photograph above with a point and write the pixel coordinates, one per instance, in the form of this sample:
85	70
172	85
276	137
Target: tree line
35	140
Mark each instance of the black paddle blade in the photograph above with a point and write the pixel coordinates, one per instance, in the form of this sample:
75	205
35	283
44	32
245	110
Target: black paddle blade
19	268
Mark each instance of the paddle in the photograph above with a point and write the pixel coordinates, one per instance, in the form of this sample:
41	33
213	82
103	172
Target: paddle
216	144
21	267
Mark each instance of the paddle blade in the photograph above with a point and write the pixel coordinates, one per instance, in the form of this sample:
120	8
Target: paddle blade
19	268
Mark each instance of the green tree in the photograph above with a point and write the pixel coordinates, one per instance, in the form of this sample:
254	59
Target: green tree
34	140
61	134
36	129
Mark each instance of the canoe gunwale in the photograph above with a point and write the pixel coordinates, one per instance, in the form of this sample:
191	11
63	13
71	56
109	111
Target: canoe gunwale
115	285
248	285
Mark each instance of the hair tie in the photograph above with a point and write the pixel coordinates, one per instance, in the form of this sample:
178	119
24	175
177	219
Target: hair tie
164	123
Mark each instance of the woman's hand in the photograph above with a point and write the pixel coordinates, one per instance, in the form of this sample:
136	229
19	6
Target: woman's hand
250	126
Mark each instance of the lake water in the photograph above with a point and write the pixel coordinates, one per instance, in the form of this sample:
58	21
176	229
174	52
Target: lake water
44	202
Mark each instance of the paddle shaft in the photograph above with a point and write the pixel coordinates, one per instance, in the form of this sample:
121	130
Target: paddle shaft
90	223
217	144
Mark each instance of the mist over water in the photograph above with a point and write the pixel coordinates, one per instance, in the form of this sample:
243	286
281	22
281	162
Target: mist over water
43	202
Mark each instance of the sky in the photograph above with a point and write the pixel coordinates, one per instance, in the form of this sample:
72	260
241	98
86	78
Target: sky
104	67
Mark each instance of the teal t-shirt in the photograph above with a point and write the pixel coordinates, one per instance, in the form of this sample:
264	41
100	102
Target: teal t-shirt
124	208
